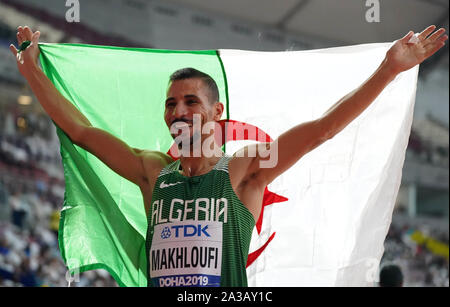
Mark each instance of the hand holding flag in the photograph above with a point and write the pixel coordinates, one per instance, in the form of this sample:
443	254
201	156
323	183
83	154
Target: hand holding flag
29	57
404	55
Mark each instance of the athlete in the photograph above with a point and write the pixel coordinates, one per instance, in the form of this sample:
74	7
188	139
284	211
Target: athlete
201	209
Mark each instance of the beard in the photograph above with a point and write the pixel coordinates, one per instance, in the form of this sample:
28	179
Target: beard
193	134
189	143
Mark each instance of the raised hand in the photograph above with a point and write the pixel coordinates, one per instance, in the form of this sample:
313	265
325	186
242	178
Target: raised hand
27	58
404	55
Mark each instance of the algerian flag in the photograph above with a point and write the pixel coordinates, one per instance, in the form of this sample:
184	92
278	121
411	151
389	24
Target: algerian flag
324	221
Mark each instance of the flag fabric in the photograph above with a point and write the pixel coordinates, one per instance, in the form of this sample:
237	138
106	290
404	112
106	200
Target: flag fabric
323	222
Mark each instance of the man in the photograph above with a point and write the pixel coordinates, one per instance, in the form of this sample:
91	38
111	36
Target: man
202	208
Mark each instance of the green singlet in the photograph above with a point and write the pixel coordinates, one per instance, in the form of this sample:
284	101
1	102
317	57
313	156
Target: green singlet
198	230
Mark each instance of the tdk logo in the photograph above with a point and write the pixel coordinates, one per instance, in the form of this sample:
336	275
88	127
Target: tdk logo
185	231
165	233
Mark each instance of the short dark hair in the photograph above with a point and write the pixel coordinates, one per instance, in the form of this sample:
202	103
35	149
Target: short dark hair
391	276
192	73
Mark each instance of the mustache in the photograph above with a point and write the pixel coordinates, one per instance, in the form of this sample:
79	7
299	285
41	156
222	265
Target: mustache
183	120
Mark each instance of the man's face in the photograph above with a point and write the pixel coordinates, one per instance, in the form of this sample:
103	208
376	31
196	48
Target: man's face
186	98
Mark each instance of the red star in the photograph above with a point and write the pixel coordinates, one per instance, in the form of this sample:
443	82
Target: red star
268	199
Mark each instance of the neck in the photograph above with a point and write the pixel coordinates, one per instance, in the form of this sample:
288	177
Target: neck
195	166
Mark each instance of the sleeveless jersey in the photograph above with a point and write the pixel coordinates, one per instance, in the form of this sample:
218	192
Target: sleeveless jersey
198	230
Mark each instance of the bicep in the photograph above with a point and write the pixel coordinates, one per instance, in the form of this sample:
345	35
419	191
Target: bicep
274	158
115	153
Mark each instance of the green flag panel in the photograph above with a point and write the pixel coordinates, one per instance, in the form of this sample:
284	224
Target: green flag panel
122	91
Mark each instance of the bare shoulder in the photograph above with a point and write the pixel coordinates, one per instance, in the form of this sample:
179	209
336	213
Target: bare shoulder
245	179
239	163
153	162
243	166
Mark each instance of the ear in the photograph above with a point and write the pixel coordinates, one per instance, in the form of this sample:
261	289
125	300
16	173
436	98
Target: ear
218	110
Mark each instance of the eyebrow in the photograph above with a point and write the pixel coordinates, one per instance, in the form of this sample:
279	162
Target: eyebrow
185	96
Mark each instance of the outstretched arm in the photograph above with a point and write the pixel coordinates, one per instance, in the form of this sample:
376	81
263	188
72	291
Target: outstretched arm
301	139
62	112
124	160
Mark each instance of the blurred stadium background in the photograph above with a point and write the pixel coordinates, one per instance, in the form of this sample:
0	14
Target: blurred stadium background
31	176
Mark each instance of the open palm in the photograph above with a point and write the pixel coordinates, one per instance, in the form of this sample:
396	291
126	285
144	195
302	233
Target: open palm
404	55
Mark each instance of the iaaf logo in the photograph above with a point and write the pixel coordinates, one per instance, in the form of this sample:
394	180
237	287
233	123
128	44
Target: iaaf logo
231	130
185	230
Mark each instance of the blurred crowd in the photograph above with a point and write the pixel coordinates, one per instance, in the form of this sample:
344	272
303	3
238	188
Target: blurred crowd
420	266
32	193
426	151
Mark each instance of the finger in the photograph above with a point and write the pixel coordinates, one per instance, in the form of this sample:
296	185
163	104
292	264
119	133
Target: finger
35	37
19	30
433	48
438	41
442	39
21	34
407	37
13	49
28	33
20	38
435	35
426	32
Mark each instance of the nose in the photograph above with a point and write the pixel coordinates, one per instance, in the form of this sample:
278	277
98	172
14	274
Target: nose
180	110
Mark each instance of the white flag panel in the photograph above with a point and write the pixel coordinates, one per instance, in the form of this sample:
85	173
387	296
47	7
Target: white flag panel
341	195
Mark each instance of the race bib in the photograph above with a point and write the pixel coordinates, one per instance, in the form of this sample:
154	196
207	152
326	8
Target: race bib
186	254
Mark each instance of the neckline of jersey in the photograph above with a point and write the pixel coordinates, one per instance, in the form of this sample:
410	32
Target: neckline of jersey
177	170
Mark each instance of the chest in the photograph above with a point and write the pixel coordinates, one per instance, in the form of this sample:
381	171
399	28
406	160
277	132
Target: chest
176	199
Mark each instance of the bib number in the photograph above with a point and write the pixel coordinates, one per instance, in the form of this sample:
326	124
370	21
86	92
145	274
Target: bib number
186	254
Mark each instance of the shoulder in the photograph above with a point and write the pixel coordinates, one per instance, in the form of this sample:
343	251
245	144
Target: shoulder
244	165
153	162
154	156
